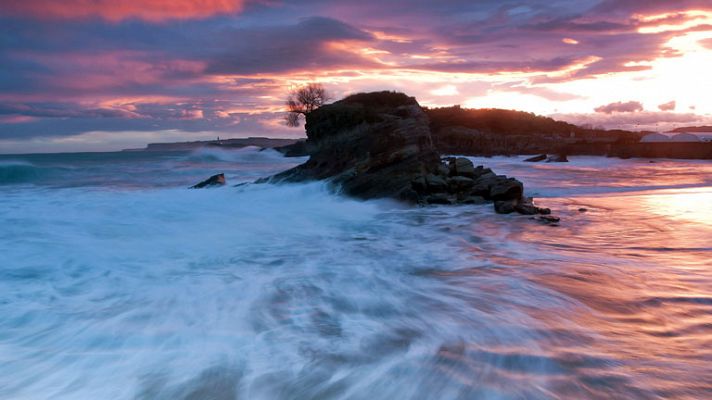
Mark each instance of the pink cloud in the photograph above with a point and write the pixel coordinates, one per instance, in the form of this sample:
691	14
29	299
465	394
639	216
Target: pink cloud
669	106
644	120
117	10
620	107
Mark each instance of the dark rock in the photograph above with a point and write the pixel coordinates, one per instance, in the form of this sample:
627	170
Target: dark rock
409	195
526	206
459	184
462	167
538	158
375	145
215	180
438	198
548	219
297	149
583	209
505	206
370	145
473	200
557	158
506	189
419	184
436	184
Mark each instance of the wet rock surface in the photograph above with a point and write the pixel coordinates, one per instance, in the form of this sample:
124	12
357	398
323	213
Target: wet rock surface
377	145
540	157
215	180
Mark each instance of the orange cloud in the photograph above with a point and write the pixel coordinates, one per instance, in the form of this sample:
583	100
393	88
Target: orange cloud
117	10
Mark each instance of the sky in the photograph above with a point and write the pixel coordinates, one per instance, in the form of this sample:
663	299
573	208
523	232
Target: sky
95	75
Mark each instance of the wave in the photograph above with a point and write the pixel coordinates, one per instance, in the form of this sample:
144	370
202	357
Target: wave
249	154
13	172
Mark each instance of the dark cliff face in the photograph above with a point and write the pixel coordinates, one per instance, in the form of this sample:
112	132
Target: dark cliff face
370	144
376	145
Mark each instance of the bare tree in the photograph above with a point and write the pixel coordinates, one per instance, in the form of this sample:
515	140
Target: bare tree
303	100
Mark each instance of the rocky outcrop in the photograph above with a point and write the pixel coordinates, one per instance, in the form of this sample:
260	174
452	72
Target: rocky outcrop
377	145
296	149
215	180
540	157
558	158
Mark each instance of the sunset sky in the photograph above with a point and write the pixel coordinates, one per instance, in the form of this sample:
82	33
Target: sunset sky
110	74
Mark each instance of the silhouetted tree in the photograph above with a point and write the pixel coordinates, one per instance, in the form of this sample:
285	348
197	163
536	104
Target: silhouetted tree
303	100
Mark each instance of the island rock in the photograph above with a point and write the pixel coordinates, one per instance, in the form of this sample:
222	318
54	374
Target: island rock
379	145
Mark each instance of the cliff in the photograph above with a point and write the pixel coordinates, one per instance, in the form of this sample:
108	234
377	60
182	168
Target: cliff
376	145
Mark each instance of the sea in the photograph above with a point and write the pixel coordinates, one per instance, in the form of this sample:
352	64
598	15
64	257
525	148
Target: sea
119	282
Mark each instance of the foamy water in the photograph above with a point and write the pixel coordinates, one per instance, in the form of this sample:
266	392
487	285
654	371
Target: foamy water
116	282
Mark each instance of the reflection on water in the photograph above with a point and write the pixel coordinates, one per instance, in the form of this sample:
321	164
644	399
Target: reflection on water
289	292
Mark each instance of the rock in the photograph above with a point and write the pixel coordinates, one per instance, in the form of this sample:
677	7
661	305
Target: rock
379	145
370	145
459	184
548	219
538	158
438	198
297	149
443	170
505	206
463	167
506	189
409	195
472	200
419	184
582	209
215	180
526	206
436	184
557	158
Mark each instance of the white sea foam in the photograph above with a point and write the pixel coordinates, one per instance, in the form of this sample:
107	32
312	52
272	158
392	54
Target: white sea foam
293	292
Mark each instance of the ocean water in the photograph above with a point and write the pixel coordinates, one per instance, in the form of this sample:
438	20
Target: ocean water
117	282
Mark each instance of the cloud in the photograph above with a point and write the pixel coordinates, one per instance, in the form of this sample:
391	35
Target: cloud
706	43
313	43
117	10
669	106
620	107
645	120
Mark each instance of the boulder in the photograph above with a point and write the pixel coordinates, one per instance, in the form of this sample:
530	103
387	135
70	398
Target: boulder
549	220
215	180
505	188
473	200
557	158
505	206
461	166
438	198
436	184
526	206
459	184
540	157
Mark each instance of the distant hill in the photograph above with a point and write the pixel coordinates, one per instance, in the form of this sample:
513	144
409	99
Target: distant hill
693	129
220	143
517	123
494	131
